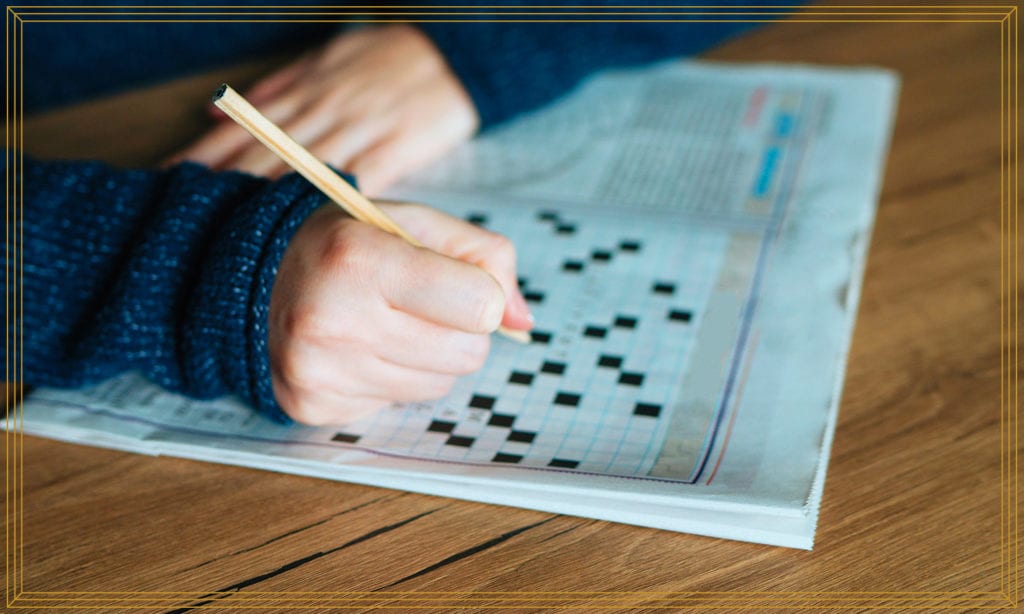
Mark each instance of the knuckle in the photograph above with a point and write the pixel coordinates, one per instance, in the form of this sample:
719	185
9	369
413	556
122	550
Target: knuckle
370	260
326	105
502	246
486	305
304	412
503	254
414	208
317	414
297	373
475	354
300	323
283	393
344	251
438	387
363	409
410	271
318	418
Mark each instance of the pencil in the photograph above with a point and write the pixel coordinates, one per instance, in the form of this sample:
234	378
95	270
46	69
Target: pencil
319	174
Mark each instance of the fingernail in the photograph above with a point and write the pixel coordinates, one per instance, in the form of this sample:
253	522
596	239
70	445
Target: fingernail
520	306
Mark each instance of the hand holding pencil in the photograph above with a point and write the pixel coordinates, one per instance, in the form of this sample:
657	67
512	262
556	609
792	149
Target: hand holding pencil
384	304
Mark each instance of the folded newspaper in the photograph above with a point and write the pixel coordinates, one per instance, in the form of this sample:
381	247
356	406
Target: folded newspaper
692	238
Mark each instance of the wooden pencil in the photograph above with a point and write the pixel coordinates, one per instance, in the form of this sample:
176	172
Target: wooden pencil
316	172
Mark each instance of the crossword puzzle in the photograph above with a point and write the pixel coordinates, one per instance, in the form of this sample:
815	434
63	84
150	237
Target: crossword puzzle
617	303
691	239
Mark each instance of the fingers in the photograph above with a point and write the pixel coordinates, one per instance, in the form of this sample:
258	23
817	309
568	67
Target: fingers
443	290
457	239
319	383
270	86
312	367
419	344
335	139
378	102
428	122
322	408
379	166
219	145
258	161
229	141
347	140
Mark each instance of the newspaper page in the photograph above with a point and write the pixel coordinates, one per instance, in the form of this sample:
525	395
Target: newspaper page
691	240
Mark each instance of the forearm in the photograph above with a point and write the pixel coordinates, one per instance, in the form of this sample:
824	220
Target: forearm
164	272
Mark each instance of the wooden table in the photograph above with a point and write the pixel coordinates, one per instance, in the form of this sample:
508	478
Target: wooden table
912	506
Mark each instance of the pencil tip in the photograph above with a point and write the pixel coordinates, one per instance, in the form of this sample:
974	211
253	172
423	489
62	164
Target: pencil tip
220	92
519	336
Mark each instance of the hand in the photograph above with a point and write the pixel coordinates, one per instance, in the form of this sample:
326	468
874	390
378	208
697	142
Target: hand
377	103
359	318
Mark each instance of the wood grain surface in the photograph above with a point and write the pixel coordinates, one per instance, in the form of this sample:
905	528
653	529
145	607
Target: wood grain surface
911	510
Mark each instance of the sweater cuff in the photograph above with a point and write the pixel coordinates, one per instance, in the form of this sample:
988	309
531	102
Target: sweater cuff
304	199
235	287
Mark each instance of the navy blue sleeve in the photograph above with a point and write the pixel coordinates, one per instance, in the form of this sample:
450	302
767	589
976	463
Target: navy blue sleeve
510	68
67	62
167	273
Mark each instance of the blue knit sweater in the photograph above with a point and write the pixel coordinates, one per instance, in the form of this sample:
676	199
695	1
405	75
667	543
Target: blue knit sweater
169	272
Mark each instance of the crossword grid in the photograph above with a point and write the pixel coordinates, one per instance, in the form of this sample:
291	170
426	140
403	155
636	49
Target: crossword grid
597	392
594	393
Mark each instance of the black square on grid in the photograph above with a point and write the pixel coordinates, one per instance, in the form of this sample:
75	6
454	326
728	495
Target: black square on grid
521	436
663	287
533	296
519	377
479	219
501	457
647	409
554	368
601	255
596	332
540	337
565	229
440	426
609	361
547	215
629	245
631	379
563	463
345	438
458	440
502	420
625	322
572	266
679	315
480	401
568	399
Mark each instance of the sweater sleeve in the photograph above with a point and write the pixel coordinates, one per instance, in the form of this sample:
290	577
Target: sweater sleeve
509	68
167	273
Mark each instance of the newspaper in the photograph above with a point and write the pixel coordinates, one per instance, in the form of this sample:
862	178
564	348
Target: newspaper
691	239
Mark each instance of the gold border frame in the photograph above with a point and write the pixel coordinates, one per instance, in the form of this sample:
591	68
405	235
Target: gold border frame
1005	14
